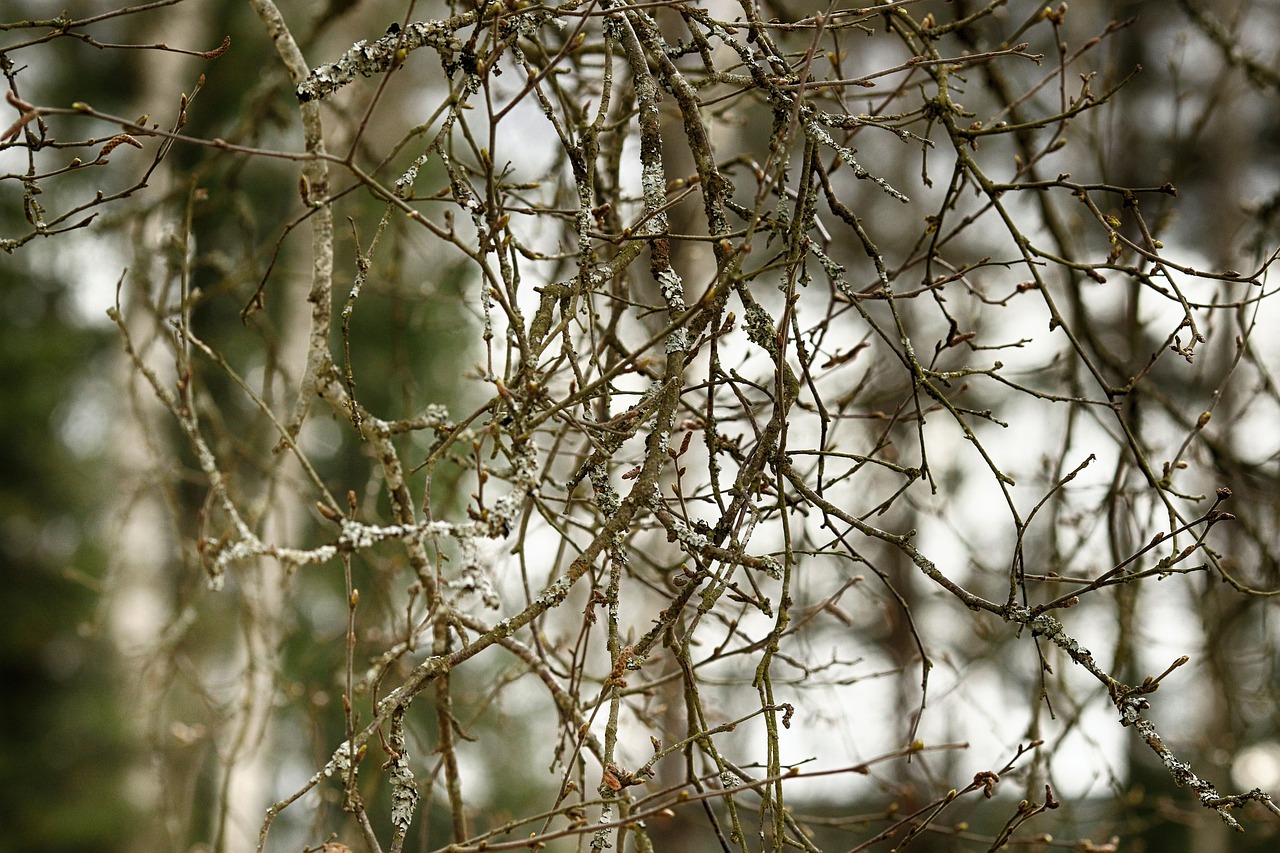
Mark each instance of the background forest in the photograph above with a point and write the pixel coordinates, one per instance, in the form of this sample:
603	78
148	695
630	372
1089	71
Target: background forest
715	425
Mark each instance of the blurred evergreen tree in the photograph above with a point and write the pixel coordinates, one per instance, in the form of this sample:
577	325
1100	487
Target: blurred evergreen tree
64	747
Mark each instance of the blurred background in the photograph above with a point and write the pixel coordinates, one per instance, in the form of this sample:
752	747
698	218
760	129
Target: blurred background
129	717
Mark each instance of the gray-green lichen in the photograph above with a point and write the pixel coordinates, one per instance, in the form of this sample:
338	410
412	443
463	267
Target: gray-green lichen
365	59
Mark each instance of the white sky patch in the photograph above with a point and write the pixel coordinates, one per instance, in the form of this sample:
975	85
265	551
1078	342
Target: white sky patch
83	420
321	437
1257	766
93	264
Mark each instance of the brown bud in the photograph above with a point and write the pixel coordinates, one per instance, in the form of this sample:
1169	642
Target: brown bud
328	512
